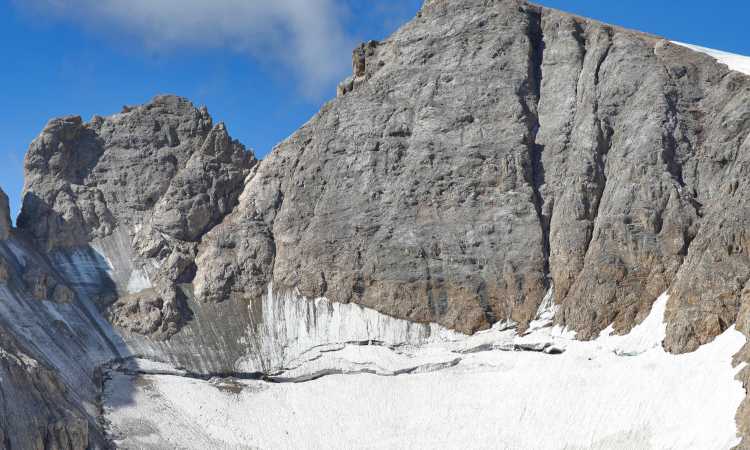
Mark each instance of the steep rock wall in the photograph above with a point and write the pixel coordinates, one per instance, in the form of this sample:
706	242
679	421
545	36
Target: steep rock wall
486	151
48	355
480	155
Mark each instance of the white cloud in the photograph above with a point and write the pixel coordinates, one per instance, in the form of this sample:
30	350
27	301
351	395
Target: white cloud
306	37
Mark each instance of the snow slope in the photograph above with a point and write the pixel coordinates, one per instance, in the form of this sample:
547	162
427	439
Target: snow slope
497	391
735	62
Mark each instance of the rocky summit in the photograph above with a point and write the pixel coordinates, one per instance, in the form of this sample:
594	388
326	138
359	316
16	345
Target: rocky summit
494	176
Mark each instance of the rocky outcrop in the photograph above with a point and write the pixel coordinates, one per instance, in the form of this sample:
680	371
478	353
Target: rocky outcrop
159	313
43	286
5	222
5	228
163	165
360	70
157	177
35	409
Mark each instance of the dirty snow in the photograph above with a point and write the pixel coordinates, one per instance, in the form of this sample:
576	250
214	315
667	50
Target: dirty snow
138	281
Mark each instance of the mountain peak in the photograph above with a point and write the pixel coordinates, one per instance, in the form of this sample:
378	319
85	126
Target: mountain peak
492	166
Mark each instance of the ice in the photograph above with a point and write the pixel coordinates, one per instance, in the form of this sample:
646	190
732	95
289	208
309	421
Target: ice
643	337
291	325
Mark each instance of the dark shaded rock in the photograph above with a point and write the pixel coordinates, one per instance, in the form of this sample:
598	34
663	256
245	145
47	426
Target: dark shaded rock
5	227
4	271
42	285
35	407
5	222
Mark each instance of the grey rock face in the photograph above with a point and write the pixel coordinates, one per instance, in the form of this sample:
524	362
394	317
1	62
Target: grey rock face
613	136
158	313
160	174
481	155
36	411
5	222
485	153
402	194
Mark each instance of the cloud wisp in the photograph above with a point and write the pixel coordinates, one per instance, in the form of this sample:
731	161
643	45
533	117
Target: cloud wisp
306	37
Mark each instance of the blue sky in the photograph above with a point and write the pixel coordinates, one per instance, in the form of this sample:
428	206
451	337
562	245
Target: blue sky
262	67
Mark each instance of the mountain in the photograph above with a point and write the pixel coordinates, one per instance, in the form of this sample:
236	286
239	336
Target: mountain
494	177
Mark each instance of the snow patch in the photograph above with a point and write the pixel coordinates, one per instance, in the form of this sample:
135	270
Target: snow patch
736	62
645	336
139	281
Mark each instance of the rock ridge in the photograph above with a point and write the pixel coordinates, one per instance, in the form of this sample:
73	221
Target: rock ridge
523	148
158	176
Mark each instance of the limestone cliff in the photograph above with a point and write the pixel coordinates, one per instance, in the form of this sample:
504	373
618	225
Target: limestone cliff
488	151
158	176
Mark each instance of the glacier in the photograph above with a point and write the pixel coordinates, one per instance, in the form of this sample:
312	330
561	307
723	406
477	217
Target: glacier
495	389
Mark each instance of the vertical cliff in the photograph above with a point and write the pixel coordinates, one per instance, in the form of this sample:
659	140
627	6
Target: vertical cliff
481	155
488	151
